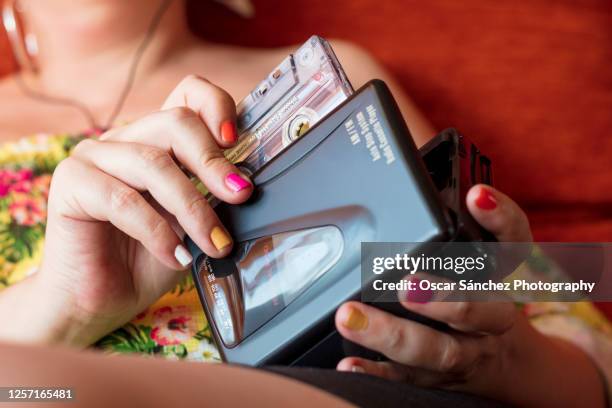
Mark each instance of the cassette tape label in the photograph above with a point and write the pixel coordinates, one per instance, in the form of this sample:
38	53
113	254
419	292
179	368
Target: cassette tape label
298	93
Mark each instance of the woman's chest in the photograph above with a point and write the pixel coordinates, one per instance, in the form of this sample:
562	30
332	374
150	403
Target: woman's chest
22	114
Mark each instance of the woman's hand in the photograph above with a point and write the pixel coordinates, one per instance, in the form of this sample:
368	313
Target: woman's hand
492	350
118	210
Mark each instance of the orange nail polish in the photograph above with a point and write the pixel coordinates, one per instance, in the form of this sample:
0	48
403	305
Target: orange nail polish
219	238
228	132
355	320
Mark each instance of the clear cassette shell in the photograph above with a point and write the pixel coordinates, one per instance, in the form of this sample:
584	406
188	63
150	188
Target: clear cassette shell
299	92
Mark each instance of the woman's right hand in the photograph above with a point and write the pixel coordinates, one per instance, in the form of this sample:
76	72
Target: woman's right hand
119	207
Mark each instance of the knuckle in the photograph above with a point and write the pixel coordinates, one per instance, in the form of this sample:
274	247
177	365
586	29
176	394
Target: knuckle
196	206
182	123
451	356
66	172
62	188
220	96
63	169
192	79
159	233
84	145
212	158
462	312
157	226
62	176
395	340
179	114
155	158
113	134
122	198
212	91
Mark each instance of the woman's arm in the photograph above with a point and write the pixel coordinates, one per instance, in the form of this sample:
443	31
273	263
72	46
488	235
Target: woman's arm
100	380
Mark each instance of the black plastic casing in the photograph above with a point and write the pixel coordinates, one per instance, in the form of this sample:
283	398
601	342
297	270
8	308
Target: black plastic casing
455	164
324	179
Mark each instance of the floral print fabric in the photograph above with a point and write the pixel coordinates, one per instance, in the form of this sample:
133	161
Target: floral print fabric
175	326
25	176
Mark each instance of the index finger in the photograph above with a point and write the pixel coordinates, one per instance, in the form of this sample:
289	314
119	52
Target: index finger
215	107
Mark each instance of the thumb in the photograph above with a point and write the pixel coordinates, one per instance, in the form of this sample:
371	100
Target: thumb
499	214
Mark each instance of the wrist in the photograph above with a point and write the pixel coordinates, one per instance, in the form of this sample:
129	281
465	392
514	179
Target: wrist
34	312
38	311
57	312
545	370
71	323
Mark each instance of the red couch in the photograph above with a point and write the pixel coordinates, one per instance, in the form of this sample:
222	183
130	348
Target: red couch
530	82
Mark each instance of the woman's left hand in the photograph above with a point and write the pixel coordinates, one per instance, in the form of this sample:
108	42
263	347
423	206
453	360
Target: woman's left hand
492	350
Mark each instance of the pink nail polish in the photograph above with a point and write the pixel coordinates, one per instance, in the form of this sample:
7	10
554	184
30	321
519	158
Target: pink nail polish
236	183
418	295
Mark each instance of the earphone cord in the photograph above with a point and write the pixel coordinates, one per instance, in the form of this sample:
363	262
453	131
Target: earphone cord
57	100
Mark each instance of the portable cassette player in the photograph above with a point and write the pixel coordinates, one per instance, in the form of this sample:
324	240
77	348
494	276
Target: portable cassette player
356	177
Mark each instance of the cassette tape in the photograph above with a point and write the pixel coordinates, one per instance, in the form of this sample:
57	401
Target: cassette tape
298	93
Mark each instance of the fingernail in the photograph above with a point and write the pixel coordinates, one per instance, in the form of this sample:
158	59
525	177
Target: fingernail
486	200
236	183
357	369
418	295
355	320
182	255
219	238
228	132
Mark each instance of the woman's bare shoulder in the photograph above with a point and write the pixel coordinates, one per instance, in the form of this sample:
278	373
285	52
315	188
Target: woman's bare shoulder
359	64
348	53
356	60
